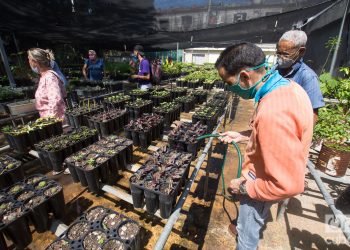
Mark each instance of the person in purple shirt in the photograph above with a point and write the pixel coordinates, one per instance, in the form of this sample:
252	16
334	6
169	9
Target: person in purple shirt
144	73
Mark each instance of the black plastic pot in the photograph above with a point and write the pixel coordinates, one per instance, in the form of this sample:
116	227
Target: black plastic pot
143	136
122	160
73	172
21	142
137	196
81	176
19	232
133	242
93	179
57	158
105	129
39	216
128	133
166	204
135	138
56	203
152	201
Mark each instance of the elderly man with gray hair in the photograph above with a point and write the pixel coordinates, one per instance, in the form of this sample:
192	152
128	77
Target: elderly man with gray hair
290	51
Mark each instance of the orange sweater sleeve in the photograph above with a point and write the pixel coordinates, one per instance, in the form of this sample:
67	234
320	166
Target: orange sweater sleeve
282	157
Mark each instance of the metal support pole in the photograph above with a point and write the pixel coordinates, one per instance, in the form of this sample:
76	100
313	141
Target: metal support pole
339	39
282	209
340	217
177	52
6	64
176	214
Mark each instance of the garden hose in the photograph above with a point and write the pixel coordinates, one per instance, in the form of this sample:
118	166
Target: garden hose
235	145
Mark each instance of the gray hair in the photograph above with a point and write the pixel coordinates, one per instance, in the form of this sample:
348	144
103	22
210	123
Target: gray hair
92	52
298	37
42	56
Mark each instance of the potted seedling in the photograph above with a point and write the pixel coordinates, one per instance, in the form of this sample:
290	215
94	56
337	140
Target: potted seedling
334	157
61	244
129	231
114	244
96	213
39	214
138	93
94	240
54	193
157	97
112	221
77	230
17	227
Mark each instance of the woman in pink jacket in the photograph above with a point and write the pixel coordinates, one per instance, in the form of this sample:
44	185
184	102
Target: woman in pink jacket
50	94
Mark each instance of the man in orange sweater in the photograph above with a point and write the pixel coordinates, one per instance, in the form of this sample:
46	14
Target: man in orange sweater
277	150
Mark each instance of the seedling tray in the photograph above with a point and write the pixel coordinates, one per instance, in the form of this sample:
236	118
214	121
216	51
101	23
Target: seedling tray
115	153
11	171
103	222
53	158
150	175
34	200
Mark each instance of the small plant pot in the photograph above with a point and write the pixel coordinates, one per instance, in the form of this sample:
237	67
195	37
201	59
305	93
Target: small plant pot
38	213
77	230
129	231
18	230
96	214
11	176
21	142
332	161
35	179
114	244
73	172
94	239
143	135
111	221
56	200
81	176
135	138
152	201
166	204
77	121
60	244
56	158
128	133
137	196
24	195
93	179
105	130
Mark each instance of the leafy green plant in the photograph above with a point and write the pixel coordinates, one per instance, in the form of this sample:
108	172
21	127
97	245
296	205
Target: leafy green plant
7	94
333	126
42	184
166	107
91	162
331	44
162	93
338	88
139	103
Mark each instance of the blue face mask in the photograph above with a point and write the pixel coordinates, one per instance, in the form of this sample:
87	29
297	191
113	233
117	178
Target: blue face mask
248	93
134	58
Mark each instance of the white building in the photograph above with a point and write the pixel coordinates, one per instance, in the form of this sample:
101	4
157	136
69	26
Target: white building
210	55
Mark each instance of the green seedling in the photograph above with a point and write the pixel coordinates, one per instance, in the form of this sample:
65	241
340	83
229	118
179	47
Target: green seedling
42	184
